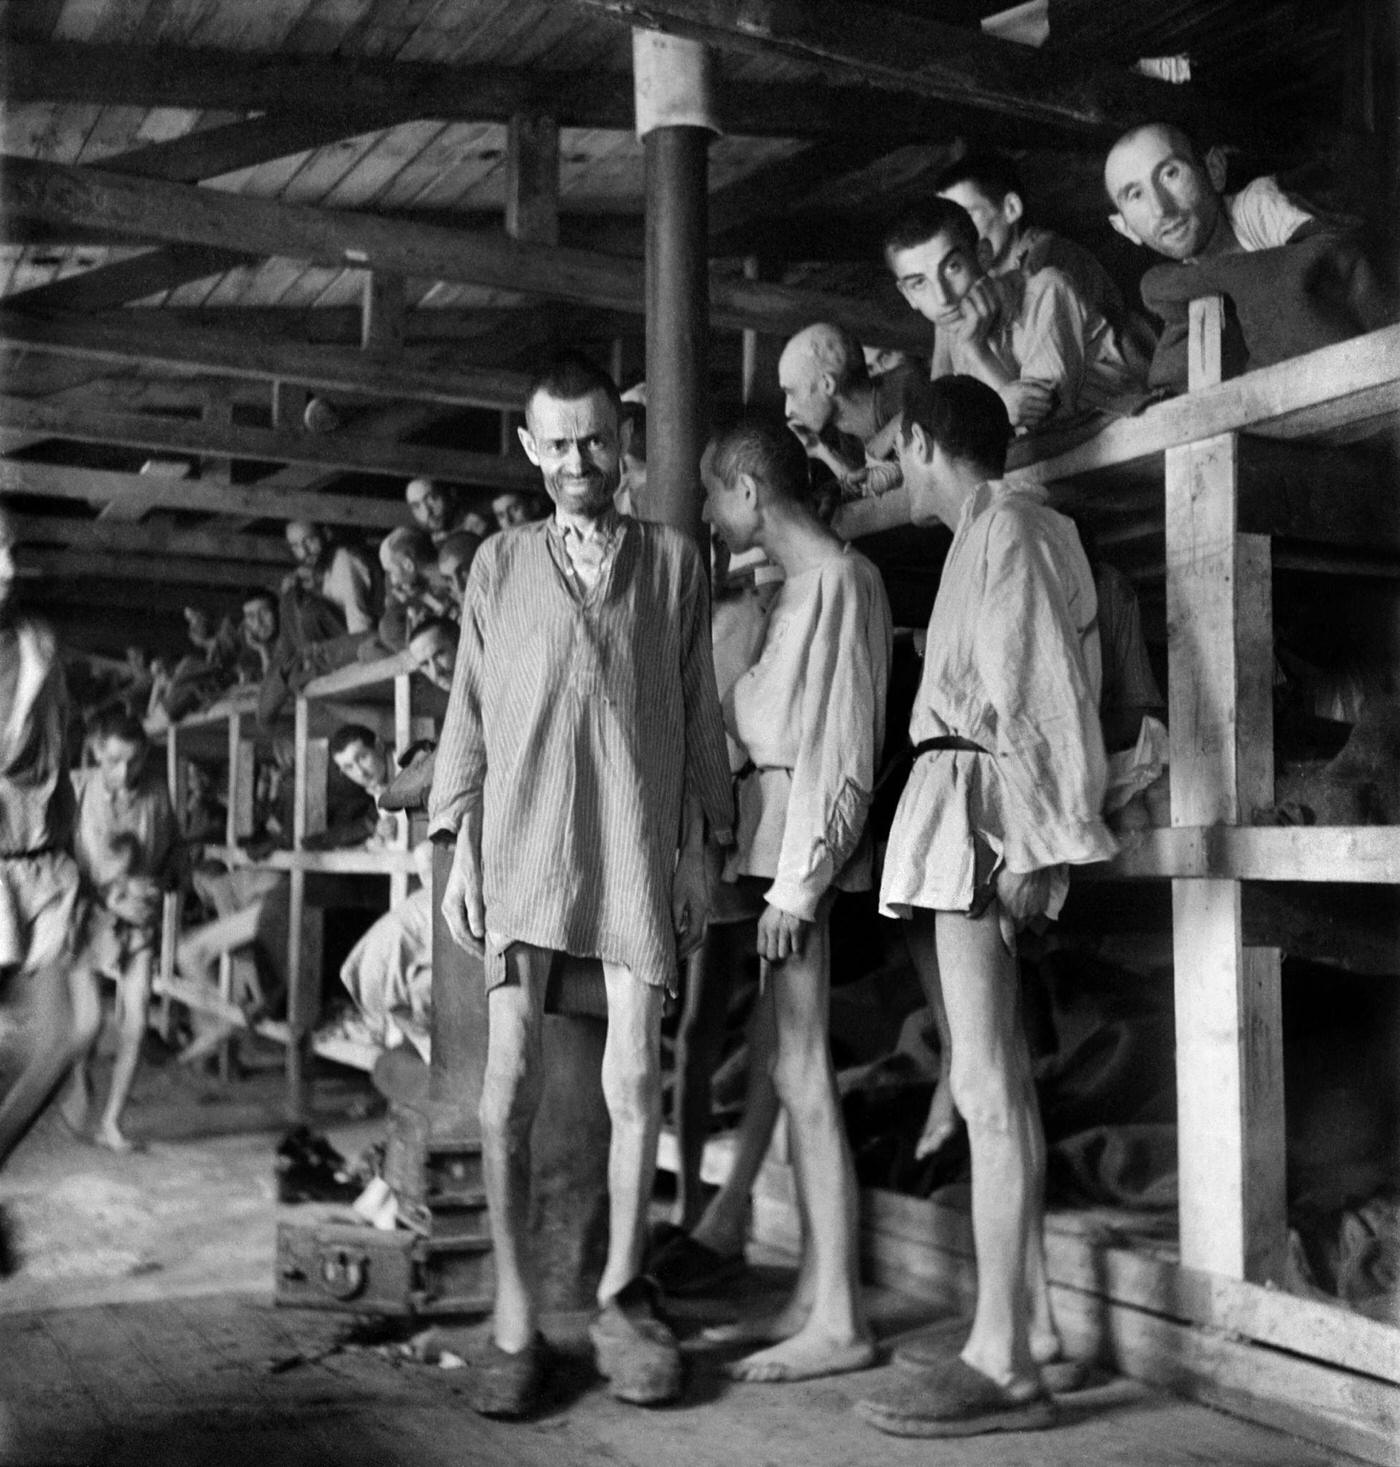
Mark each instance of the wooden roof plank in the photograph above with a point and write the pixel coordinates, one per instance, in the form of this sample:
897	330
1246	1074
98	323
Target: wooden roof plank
351	453
423	376
100	486
594	96
140	208
902	52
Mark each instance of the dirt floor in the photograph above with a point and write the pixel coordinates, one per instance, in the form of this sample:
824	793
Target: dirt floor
140	1329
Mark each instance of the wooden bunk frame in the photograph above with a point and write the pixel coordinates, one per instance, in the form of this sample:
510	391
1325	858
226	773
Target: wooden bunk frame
225	729
1206	1318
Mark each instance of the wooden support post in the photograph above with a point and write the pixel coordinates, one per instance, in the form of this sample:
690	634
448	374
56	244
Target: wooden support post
304	924
403	737
1228	1011
288	406
759	366
671	79
532	178
217	413
382	313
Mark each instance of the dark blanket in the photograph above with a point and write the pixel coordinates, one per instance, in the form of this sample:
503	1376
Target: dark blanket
1312	292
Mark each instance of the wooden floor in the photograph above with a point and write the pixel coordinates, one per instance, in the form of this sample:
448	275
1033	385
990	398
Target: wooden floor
229	1380
140	1331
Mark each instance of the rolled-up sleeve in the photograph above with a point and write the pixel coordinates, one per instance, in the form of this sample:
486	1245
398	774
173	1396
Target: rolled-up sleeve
1048	744
842	721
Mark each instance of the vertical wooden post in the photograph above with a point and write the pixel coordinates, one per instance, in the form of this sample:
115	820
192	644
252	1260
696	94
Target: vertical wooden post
217	413
532	178
674	117
760	353
289	406
382	310
1228	1012
403	737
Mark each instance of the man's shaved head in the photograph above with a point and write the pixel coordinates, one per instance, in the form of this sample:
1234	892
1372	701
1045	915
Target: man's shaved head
1165	195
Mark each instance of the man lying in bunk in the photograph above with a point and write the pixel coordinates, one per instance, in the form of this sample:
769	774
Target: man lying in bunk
1033	338
581	758
513	507
988	185
435	508
810	714
1004	796
414	591
828	391
389	972
324	611
1294	282
454	563
365	762
129	853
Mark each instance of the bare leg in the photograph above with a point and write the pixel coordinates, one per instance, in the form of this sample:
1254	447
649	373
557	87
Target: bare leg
133	999
51	1044
85	996
709	984
510	1096
835	1336
942	1113
1046	1344
724	1227
990	1083
632	1091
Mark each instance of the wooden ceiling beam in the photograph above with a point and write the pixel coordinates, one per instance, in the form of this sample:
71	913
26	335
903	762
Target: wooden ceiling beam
180	213
66	532
241	81
258	501
850	42
207	153
127	337
344	452
148	570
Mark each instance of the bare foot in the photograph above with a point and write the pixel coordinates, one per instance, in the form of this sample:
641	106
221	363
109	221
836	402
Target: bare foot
942	1122
762	1329
110	1135
805	1356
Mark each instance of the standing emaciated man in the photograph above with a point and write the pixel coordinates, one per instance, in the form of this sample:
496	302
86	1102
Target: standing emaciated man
38	878
1003	798
581	758
810	713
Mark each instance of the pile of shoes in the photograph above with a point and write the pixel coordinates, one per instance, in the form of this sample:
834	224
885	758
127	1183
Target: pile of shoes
310	1169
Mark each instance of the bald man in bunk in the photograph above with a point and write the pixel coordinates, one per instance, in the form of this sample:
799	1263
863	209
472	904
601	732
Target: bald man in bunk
581	761
1294	282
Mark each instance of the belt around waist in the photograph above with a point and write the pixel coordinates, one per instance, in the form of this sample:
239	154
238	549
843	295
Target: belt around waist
749	767
906	758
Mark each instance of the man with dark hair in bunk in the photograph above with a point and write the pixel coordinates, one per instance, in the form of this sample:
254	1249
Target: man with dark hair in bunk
1047	351
581	759
1003	797
38	876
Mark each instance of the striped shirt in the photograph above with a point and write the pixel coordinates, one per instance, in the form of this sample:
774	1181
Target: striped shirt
579	718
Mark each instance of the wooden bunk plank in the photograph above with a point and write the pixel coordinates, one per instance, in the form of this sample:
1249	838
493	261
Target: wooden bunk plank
1320	853
359	675
1336	387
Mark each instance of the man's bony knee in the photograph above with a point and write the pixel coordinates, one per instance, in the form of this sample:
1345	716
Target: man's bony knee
633	1095
984	1099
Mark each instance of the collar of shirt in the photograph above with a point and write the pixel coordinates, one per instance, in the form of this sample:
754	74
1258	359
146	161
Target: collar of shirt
580	531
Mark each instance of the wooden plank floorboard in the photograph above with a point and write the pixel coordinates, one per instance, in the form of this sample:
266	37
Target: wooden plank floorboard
187	1384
